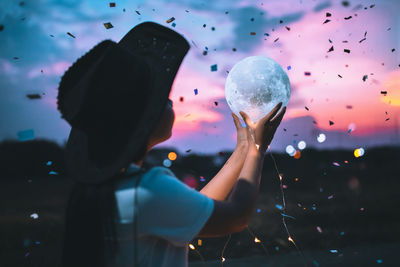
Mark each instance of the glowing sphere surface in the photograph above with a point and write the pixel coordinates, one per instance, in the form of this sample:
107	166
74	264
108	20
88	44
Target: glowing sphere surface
255	85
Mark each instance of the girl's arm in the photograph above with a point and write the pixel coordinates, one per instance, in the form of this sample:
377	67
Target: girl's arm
221	185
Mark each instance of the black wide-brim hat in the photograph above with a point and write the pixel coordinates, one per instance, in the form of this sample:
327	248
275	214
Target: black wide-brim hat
114	96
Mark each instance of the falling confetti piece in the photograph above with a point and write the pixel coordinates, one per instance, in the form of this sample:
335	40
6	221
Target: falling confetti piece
276	39
331	123
289	67
307	73
187	151
266	34
333	251
27	254
33	96
234	49
223	259
336	164
365	77
252	33
279	206
181	98
331	49
330	197
285	215
195	91
306	108
137	12
347	18
379	261
328	14
199	242
108	25
326	21
1	28
70	34
173	24
316	263
112	4
383	92
53	173
347	51
34	216
258	210
340	76
214	67
319	229
170	20
15	58
393	50
191	247
49	163
342	233
290	239
362	40
287	28
216	103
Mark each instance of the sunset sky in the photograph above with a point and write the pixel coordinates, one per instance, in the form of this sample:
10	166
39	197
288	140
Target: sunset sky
35	50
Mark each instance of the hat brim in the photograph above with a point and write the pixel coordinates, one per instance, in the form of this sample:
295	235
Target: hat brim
164	55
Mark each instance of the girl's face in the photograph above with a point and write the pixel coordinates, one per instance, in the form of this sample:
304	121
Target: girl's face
163	130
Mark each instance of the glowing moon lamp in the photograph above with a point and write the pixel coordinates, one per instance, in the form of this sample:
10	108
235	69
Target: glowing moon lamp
255	85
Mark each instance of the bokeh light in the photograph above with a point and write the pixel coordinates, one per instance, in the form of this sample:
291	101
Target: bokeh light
359	152
321	138
167	163
172	156
301	145
290	150
297	154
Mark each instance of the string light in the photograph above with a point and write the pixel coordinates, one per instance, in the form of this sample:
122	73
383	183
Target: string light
223	259
191	247
257	240
199	242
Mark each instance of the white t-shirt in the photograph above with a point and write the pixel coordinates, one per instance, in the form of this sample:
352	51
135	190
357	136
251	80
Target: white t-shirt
170	215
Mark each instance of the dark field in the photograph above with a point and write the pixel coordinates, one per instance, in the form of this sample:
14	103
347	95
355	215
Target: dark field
345	215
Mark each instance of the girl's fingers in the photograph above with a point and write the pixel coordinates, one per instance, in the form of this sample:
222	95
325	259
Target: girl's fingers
272	113
236	121
246	118
278	118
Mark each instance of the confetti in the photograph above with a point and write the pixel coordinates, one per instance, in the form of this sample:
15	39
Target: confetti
252	33
170	20
287	28
195	91
319	229
70	34
276	39
330	49
49	163
393	50
26	135
333	250
204	25
341	233
330	197
279	206
167	163
181	98
347	18
362	40
191	247
34	216
330	40
347	51
340	76
53	173
108	25
281	21
365	78
187	151
326	21
289	67
336	164
328	14
316	263
234	49
258	210
256	240
285	215
307	73
331	123
137	12
199	242
33	96
384	92
15	58
266	34
306	108
112	4
379	261
173	24
213	28
216	103
214	67
1	27
345	3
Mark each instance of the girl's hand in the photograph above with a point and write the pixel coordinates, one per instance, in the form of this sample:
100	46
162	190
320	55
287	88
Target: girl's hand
242	133
263	131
